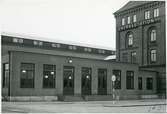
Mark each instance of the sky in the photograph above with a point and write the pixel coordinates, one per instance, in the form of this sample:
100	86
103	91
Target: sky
81	21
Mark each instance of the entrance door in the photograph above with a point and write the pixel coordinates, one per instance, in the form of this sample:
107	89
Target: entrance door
68	85
102	81
86	81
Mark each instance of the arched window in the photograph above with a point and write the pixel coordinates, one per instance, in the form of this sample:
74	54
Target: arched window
129	40
153	35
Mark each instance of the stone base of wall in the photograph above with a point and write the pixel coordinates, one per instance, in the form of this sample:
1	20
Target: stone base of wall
80	98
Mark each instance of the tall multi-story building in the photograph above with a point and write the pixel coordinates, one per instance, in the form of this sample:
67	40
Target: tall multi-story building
141	38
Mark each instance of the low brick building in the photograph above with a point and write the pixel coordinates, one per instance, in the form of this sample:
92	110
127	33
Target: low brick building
34	69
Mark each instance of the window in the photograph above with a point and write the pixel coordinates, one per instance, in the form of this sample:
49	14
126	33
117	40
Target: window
153	35
149	84
101	51
5	75
140	83
87	49
72	47
86	80
130	40
125	57
147	15
129	20
39	43
153	55
102	78
123	21
27	75
134	18
55	45
117	73
49	75
133	57
18	40
130	80
156	12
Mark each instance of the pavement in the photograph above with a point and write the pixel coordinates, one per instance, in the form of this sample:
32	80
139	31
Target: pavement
123	106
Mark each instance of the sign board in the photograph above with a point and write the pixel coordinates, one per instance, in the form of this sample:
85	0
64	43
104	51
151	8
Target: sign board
113	78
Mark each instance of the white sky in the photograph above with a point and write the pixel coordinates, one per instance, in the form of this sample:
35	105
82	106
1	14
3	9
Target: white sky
83	21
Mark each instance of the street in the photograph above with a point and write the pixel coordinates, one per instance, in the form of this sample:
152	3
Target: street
124	106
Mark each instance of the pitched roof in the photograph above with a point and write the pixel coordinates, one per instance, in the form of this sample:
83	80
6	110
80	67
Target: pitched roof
131	4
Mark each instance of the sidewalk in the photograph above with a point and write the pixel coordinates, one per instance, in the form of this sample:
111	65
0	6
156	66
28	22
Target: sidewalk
151	105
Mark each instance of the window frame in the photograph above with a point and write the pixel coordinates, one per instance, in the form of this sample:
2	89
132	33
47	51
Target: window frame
5	80
134	18
148	86
101	84
133	57
153	55
147	14
123	21
128	20
117	82
49	79
32	79
156	12
129	40
140	84
153	35
131	81
125	57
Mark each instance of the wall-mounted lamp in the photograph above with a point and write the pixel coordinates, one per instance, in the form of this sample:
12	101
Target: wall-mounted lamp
23	71
70	60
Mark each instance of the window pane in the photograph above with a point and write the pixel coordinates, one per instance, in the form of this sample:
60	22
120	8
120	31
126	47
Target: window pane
134	18
128	20
153	55
117	73
130	40
27	75
49	75
133	57
140	83
102	78
130	80
153	35
123	21
149	83
125	57
5	75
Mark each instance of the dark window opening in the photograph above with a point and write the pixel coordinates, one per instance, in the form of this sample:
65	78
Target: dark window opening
102	78
140	83
5	75
49	75
133	57
130	80
27	75
125	57
149	84
117	84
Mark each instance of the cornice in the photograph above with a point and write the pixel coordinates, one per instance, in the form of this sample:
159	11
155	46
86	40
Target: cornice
139	8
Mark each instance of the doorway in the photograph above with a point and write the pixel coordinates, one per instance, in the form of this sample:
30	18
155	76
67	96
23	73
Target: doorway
68	80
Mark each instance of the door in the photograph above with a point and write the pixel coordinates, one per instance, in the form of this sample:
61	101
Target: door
102	81
68	80
86	81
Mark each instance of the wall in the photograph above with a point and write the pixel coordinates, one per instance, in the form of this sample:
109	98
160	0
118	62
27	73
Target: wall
60	61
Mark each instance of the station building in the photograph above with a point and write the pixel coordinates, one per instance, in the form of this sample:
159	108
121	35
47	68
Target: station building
33	69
